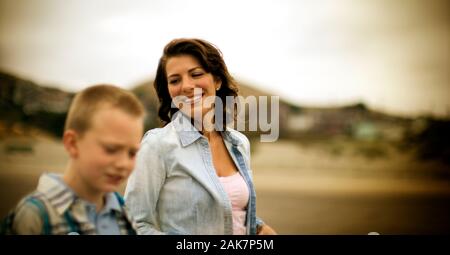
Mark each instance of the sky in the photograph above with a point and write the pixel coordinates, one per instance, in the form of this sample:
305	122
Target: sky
393	55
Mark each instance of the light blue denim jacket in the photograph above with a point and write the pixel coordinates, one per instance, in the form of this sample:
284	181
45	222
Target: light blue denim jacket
174	188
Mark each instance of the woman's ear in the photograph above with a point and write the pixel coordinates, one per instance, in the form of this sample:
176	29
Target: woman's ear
218	83
70	139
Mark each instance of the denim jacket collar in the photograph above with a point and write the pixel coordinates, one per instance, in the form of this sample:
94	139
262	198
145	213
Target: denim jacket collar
189	134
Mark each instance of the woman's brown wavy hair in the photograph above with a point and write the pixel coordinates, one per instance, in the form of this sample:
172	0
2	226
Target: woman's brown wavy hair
211	60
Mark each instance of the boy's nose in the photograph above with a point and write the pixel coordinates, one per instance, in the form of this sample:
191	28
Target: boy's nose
124	162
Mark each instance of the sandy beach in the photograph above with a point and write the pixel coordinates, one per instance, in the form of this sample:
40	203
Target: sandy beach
300	190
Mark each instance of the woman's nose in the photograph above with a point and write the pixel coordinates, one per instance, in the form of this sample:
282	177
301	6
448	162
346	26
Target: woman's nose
187	85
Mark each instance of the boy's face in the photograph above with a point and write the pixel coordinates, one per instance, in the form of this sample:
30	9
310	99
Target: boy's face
105	155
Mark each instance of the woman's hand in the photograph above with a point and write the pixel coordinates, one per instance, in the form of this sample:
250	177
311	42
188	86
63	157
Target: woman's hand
265	230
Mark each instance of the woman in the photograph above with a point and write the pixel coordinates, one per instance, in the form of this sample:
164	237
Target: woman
193	175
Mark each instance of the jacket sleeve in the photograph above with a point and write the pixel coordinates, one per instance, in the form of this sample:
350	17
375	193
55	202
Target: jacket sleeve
144	185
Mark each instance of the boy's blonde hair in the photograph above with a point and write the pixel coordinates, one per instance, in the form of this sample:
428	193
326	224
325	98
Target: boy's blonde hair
87	102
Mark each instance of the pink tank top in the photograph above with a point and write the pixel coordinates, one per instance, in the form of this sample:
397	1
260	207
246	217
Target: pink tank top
237	190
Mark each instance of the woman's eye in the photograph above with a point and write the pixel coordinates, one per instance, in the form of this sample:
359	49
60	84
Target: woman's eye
174	81
197	74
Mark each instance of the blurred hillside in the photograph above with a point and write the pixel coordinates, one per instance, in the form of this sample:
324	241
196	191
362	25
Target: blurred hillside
336	170
27	107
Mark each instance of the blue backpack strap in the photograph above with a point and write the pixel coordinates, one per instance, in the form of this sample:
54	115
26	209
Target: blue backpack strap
73	225
129	226
46	227
6	225
119	198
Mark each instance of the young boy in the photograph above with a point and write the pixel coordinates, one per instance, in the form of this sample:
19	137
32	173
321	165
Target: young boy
102	134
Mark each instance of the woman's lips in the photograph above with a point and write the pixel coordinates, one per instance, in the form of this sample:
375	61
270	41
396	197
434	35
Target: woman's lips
193	100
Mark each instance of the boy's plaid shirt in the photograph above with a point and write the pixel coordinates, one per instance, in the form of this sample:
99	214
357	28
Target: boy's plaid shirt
61	211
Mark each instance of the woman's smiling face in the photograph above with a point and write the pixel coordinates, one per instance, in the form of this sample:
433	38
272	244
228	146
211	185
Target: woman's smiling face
191	88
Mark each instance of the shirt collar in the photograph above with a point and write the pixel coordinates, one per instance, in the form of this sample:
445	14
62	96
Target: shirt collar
61	196
111	203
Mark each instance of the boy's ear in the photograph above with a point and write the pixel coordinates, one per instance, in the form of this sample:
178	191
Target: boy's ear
70	139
